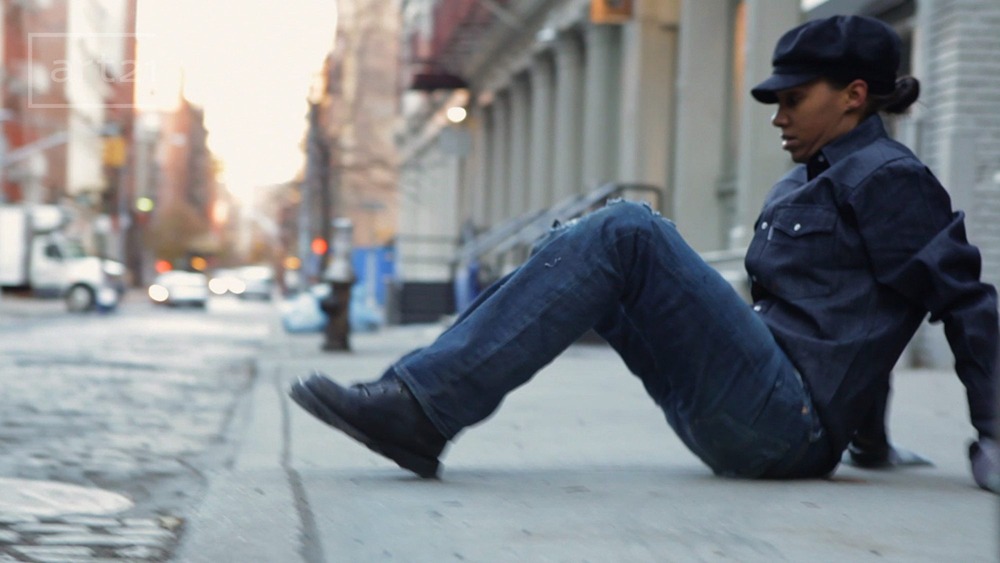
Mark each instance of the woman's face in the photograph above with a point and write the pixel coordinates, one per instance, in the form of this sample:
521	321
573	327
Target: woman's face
815	113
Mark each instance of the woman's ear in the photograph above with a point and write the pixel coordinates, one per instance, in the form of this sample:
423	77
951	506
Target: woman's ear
856	95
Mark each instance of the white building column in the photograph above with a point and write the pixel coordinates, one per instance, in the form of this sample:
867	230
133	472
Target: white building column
761	160
649	52
959	127
517	191
542	137
428	181
484	209
954	130
566	176
500	159
474	171
601	131
704	75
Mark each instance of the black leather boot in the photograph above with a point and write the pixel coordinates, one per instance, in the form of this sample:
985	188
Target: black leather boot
382	415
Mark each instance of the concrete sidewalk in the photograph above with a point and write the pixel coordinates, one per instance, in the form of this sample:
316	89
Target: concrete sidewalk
578	465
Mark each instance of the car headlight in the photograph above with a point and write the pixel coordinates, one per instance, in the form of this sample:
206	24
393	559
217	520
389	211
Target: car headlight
217	285
237	286
158	293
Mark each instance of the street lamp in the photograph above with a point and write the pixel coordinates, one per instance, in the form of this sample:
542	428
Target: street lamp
456	114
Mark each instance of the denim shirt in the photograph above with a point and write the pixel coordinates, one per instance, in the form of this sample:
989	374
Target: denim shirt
849	254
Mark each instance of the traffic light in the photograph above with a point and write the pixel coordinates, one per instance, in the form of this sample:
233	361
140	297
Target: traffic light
115	152
610	11
319	246
198	263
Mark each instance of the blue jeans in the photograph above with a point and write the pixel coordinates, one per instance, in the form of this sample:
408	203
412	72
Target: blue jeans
702	354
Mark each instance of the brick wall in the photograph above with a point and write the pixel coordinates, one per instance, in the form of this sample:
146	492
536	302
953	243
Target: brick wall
960	128
961	125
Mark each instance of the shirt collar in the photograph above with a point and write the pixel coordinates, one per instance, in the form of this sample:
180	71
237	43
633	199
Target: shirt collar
867	132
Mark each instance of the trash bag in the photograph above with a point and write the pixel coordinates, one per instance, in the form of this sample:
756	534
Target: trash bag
302	313
364	314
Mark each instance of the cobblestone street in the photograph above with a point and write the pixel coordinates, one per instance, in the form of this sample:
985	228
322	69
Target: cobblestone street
135	403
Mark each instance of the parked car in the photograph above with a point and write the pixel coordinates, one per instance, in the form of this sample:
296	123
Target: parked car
226	282
180	288
258	282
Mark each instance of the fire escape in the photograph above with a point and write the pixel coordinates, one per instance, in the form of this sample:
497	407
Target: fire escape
439	60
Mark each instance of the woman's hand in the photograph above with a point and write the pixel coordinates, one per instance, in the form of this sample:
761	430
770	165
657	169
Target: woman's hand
886	456
985	458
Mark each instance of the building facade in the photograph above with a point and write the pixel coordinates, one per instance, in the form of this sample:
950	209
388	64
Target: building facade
67	105
564	95
351	156
181	178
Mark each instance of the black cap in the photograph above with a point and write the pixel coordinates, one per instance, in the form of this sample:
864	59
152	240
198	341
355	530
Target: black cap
840	47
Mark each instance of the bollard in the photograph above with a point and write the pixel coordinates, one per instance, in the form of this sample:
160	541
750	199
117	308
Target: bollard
340	275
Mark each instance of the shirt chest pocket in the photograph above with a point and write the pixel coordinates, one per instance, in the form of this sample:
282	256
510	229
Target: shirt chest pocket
800	251
803	223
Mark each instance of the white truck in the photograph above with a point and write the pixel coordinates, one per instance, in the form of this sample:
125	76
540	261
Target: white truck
36	254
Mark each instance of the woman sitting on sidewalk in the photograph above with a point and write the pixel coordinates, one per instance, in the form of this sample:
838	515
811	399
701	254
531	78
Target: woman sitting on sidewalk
853	248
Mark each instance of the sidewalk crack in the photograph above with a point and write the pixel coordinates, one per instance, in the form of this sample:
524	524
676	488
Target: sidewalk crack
310	546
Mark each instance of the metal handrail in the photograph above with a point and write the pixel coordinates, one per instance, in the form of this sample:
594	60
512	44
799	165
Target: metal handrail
722	256
525	229
487	240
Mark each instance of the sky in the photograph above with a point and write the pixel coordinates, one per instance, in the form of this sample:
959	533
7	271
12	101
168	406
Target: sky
249	64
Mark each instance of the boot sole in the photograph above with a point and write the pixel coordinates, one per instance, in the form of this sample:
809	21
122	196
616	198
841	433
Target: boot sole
424	466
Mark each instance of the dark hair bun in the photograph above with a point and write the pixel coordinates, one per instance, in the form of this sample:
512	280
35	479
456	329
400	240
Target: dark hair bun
907	91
